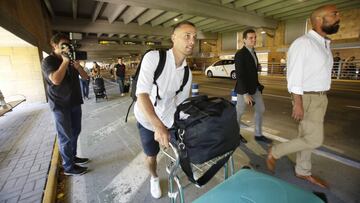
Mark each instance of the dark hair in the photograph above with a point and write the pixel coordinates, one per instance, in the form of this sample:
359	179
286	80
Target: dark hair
181	24
246	32
119	58
55	39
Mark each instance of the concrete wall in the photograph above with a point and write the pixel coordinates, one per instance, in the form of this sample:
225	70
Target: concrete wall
293	30
228	41
20	69
20	74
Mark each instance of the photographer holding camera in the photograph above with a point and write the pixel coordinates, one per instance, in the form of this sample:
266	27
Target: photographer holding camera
61	72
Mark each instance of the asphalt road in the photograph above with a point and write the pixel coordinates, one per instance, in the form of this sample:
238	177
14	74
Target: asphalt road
342	120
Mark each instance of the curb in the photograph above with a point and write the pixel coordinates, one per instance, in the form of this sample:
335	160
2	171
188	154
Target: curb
50	188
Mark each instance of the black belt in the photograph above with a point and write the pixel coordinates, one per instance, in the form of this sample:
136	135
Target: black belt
317	93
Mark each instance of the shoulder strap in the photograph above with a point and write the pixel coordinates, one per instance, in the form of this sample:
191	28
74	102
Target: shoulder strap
158	71
185	80
161	64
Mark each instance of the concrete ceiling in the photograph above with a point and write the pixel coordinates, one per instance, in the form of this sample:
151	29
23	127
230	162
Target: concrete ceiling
152	20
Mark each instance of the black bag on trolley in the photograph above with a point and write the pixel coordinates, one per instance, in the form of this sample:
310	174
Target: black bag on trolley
205	128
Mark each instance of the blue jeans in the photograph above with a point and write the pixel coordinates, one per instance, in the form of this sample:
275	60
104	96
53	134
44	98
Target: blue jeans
68	127
120	80
84	87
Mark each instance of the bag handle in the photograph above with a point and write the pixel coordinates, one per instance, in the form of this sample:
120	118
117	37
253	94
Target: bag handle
186	167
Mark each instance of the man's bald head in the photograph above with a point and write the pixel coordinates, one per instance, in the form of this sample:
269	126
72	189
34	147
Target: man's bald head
325	19
320	12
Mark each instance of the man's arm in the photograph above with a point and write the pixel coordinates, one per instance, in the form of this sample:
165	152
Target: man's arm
114	72
81	70
161	133
298	110
57	76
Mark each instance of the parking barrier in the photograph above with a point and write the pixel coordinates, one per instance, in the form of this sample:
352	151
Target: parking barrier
233	97
194	89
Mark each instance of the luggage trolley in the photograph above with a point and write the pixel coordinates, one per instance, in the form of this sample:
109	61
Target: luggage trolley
174	165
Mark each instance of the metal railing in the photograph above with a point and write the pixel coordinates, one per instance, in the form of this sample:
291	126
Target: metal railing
340	70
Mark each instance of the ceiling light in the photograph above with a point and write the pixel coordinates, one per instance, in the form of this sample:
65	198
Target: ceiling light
176	19
106	42
263	32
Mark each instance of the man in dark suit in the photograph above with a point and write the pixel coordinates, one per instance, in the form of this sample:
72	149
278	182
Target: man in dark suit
247	86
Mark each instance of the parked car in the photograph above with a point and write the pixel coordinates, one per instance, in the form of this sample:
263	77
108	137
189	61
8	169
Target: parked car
222	68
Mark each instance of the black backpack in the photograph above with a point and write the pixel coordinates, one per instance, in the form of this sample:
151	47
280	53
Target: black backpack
209	130
158	71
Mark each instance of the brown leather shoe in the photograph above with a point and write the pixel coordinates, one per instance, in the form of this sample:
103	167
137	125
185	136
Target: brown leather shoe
314	180
270	161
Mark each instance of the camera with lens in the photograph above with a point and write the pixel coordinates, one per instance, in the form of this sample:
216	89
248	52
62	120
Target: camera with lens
72	54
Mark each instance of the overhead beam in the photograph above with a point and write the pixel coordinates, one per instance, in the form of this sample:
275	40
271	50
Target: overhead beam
164	17
211	29
238	29
197	19
131	13
261	4
214	24
306	14
180	18
225	28
97	11
49	8
276	6
226	1
294	7
243	3
112	11
307	9
93	42
102	26
149	15
74	8
205	22
201	8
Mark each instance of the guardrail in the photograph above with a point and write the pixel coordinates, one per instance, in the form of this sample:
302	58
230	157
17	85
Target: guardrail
341	70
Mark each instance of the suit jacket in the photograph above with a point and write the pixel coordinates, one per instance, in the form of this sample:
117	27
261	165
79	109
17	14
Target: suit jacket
246	73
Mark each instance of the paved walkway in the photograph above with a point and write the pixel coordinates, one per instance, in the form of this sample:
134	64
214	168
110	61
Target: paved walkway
26	141
117	172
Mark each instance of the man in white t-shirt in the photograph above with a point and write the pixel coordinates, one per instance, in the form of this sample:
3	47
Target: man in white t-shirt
154	120
309	77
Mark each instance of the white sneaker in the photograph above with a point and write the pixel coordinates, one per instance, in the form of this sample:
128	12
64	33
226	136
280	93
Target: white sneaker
122	94
155	187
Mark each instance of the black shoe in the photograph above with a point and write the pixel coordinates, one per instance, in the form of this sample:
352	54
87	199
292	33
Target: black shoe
242	139
78	160
264	139
76	170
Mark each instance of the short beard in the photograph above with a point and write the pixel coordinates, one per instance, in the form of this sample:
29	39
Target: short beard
330	29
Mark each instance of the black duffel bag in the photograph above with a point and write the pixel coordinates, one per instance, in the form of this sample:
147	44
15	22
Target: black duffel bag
205	128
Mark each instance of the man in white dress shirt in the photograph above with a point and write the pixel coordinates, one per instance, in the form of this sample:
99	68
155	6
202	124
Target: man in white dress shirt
309	77
154	120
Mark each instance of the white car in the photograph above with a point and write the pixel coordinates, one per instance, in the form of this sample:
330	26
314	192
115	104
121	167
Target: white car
222	68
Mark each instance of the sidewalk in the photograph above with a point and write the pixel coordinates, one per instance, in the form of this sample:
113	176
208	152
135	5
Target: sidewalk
27	136
118	173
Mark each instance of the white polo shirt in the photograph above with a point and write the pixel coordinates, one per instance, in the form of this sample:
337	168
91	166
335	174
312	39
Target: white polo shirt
309	64
168	82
